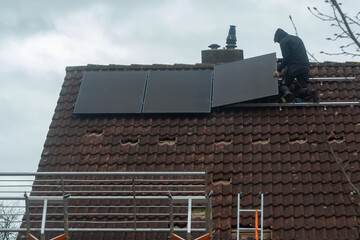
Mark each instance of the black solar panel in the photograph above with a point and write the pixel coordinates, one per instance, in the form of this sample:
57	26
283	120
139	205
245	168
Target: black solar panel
111	92
178	91
244	80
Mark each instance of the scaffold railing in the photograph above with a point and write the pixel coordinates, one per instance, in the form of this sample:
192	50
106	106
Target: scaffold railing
68	202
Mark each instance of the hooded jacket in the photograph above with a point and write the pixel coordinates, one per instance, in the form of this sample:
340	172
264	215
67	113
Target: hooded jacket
292	50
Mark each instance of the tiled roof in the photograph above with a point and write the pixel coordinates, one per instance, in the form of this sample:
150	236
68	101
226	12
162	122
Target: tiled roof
284	154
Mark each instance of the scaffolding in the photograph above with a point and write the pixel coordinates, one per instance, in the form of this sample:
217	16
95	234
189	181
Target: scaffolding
68	202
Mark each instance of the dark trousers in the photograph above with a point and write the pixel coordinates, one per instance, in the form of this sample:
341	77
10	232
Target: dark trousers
301	73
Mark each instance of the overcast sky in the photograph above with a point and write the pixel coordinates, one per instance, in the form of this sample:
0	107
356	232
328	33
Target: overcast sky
39	38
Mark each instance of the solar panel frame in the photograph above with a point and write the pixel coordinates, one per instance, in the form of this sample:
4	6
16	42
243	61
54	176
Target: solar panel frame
111	92
244	80
179	91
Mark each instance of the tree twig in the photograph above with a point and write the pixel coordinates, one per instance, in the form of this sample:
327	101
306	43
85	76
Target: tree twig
350	32
338	161
342	21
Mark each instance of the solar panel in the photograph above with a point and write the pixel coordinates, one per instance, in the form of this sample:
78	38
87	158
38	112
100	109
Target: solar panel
178	91
111	92
244	80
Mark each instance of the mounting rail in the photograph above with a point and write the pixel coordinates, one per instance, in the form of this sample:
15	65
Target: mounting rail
330	79
303	104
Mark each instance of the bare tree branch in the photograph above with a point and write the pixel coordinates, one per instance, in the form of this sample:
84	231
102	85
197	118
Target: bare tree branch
320	15
349	31
296	32
342	168
343	52
10	214
352	21
343	22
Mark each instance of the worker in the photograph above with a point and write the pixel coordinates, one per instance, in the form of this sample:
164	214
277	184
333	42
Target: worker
294	64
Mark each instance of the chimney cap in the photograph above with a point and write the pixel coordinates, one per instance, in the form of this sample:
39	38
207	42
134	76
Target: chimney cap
214	46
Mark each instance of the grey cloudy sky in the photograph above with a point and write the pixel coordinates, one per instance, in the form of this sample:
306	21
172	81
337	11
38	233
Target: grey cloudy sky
38	39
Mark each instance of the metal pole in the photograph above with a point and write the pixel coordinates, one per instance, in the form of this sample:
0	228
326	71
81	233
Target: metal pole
107	230
102	173
27	215
189	220
303	104
59	198
171	204
62	186
238	217
332	79
262	216
208	214
326	79
43	221
66	216
134	195
206	184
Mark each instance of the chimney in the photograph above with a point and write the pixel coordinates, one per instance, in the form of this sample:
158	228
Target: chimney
230	54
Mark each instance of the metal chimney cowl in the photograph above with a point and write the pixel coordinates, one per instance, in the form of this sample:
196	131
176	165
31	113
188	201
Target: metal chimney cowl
228	54
231	38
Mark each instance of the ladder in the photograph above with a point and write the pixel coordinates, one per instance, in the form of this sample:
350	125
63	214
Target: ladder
65	235
257	228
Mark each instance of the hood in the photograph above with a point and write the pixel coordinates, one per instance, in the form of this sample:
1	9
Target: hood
279	34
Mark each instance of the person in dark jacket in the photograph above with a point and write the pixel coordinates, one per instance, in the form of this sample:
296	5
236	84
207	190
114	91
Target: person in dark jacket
295	65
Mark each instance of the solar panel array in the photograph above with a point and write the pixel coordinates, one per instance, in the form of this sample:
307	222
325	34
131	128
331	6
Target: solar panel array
176	91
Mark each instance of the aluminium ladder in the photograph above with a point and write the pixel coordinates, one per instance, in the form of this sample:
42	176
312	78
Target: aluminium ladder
257	228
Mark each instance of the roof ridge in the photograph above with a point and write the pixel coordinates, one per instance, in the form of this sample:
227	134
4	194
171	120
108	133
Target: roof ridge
156	66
